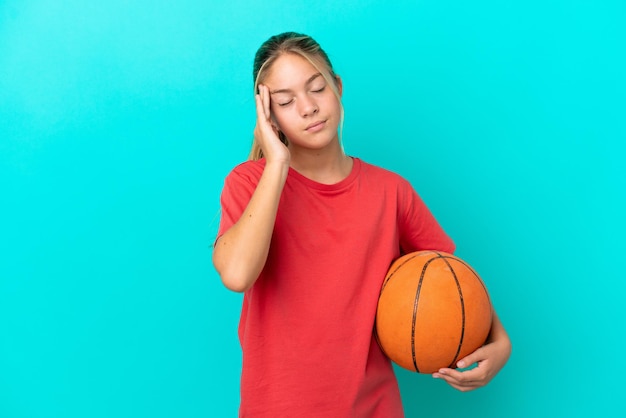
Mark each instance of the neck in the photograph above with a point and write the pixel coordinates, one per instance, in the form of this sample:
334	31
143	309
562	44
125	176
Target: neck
328	166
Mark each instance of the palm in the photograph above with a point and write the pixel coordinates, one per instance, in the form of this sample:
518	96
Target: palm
265	133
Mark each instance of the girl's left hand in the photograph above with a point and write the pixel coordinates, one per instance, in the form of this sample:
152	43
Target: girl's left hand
490	359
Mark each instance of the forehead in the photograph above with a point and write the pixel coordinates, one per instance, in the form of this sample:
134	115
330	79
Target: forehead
289	70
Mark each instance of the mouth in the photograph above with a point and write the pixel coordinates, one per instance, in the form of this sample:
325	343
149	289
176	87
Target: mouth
315	126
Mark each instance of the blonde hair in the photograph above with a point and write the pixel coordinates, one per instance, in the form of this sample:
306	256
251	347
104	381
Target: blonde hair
291	43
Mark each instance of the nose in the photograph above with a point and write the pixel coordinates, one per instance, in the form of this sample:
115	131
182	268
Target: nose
308	106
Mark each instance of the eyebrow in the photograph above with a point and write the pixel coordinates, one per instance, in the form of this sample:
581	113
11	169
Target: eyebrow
313	77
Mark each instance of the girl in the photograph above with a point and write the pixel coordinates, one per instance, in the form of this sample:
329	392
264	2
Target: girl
308	233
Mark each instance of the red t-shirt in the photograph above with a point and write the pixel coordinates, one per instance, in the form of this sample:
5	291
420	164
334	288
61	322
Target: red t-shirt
306	324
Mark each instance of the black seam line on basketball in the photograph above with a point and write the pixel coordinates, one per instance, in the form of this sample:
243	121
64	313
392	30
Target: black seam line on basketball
480	280
415	303
394	272
381	292
458	285
470	269
475	274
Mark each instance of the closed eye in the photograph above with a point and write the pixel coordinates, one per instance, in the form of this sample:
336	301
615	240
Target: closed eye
284	103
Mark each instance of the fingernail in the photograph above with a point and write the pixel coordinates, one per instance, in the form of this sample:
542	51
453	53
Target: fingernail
461	363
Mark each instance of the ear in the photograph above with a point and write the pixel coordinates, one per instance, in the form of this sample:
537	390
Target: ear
339	85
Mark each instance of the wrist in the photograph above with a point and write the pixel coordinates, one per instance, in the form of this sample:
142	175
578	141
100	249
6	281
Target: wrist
277	167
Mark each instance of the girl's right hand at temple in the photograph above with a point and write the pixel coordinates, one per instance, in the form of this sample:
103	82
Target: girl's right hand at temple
266	130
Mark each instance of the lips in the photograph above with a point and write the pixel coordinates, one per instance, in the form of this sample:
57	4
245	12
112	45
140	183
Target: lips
315	126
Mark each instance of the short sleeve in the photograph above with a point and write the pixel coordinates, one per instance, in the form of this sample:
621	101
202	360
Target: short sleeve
239	186
419	230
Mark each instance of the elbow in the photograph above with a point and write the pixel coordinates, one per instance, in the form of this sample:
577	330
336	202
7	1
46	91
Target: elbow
237	270
233	276
234	283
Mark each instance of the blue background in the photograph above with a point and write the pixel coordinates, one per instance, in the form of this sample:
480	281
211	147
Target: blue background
119	121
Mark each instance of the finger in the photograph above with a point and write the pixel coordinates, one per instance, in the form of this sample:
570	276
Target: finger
464	376
449	375
475	357
462	384
266	102
477	376
260	112
260	104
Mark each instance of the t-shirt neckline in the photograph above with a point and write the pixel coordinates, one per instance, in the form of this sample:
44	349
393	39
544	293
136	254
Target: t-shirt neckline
356	167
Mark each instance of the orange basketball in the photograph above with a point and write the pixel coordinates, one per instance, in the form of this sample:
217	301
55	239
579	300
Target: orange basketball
433	310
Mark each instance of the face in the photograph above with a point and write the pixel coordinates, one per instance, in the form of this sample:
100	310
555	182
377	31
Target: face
303	105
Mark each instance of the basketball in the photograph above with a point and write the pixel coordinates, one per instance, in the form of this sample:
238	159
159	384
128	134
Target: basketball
433	310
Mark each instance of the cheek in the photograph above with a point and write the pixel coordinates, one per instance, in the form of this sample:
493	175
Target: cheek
281	119
331	101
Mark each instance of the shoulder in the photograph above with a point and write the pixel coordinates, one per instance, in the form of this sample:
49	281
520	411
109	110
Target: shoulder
248	171
383	176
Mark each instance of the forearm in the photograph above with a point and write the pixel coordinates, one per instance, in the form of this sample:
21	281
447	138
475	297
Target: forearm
498	334
240	254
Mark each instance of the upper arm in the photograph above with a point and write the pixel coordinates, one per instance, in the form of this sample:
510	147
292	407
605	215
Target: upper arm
419	229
